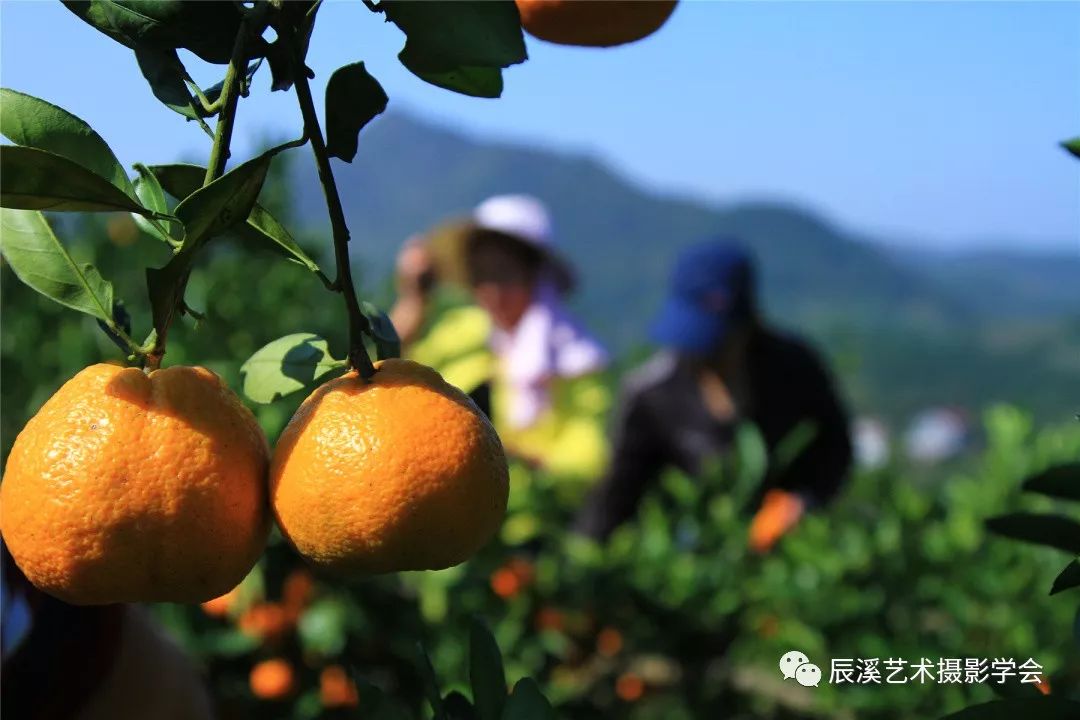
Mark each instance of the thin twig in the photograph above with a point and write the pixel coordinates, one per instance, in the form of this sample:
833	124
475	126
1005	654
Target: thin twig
358	323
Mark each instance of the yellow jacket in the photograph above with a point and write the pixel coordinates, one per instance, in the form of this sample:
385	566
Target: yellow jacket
568	440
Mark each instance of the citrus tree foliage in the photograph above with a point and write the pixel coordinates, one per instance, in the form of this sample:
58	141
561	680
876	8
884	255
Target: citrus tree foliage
57	163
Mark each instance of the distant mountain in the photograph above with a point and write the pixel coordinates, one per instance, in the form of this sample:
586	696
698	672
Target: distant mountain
872	305
1004	284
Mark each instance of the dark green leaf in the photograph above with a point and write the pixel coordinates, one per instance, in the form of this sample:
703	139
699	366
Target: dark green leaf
475	81
181	180
460	46
148	191
40	261
121	320
32	179
1061	481
206	28
286	365
458	707
465	32
1052	530
387	342
225	202
1067	579
486	674
1048	707
27	120
353	98
165	74
1073	146
528	703
165	287
431	683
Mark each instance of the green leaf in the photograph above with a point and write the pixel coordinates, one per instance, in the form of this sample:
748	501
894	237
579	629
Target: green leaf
1052	530
225	202
431	683
180	180
35	179
382	332
1067	579
1073	146
460	46
486	674
32	122
322	627
462	32
206	28
165	73
458	707
1049	707
148	191
353	98
475	81
286	365
40	261
528	703
1060	481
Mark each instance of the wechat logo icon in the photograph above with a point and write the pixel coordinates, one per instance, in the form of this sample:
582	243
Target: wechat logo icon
794	665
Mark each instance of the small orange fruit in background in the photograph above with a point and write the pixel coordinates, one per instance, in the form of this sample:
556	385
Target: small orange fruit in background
268	621
609	642
221	605
336	688
135	487
593	23
400	472
630	687
272	679
297	591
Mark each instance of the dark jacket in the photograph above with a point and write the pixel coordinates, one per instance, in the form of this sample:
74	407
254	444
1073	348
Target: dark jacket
663	421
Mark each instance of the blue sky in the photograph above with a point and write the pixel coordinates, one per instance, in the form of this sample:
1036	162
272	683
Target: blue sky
928	123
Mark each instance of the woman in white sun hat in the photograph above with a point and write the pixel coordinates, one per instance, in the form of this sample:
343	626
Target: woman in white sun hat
512	344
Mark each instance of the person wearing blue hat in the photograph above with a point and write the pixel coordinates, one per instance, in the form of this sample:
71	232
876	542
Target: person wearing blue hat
721	365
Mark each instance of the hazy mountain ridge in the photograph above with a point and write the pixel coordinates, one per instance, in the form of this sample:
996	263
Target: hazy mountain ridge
886	314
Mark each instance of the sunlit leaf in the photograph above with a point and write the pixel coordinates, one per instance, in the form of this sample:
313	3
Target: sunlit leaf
181	180
30	121
39	260
32	179
286	365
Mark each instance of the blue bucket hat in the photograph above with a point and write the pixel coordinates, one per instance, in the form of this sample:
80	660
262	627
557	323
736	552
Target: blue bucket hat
711	291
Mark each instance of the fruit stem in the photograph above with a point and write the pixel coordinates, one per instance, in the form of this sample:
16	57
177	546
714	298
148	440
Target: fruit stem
219	153
358	323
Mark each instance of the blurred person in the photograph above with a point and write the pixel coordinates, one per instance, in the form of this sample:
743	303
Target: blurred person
722	365
104	662
513	345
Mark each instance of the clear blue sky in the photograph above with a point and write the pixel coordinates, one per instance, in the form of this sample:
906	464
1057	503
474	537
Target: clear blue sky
922	122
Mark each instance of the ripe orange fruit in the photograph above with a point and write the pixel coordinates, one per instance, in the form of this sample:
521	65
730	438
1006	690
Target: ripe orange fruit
629	687
548	618
593	23
401	472
134	487
336	688
297	591
268	621
609	642
779	512
272	679
221	605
